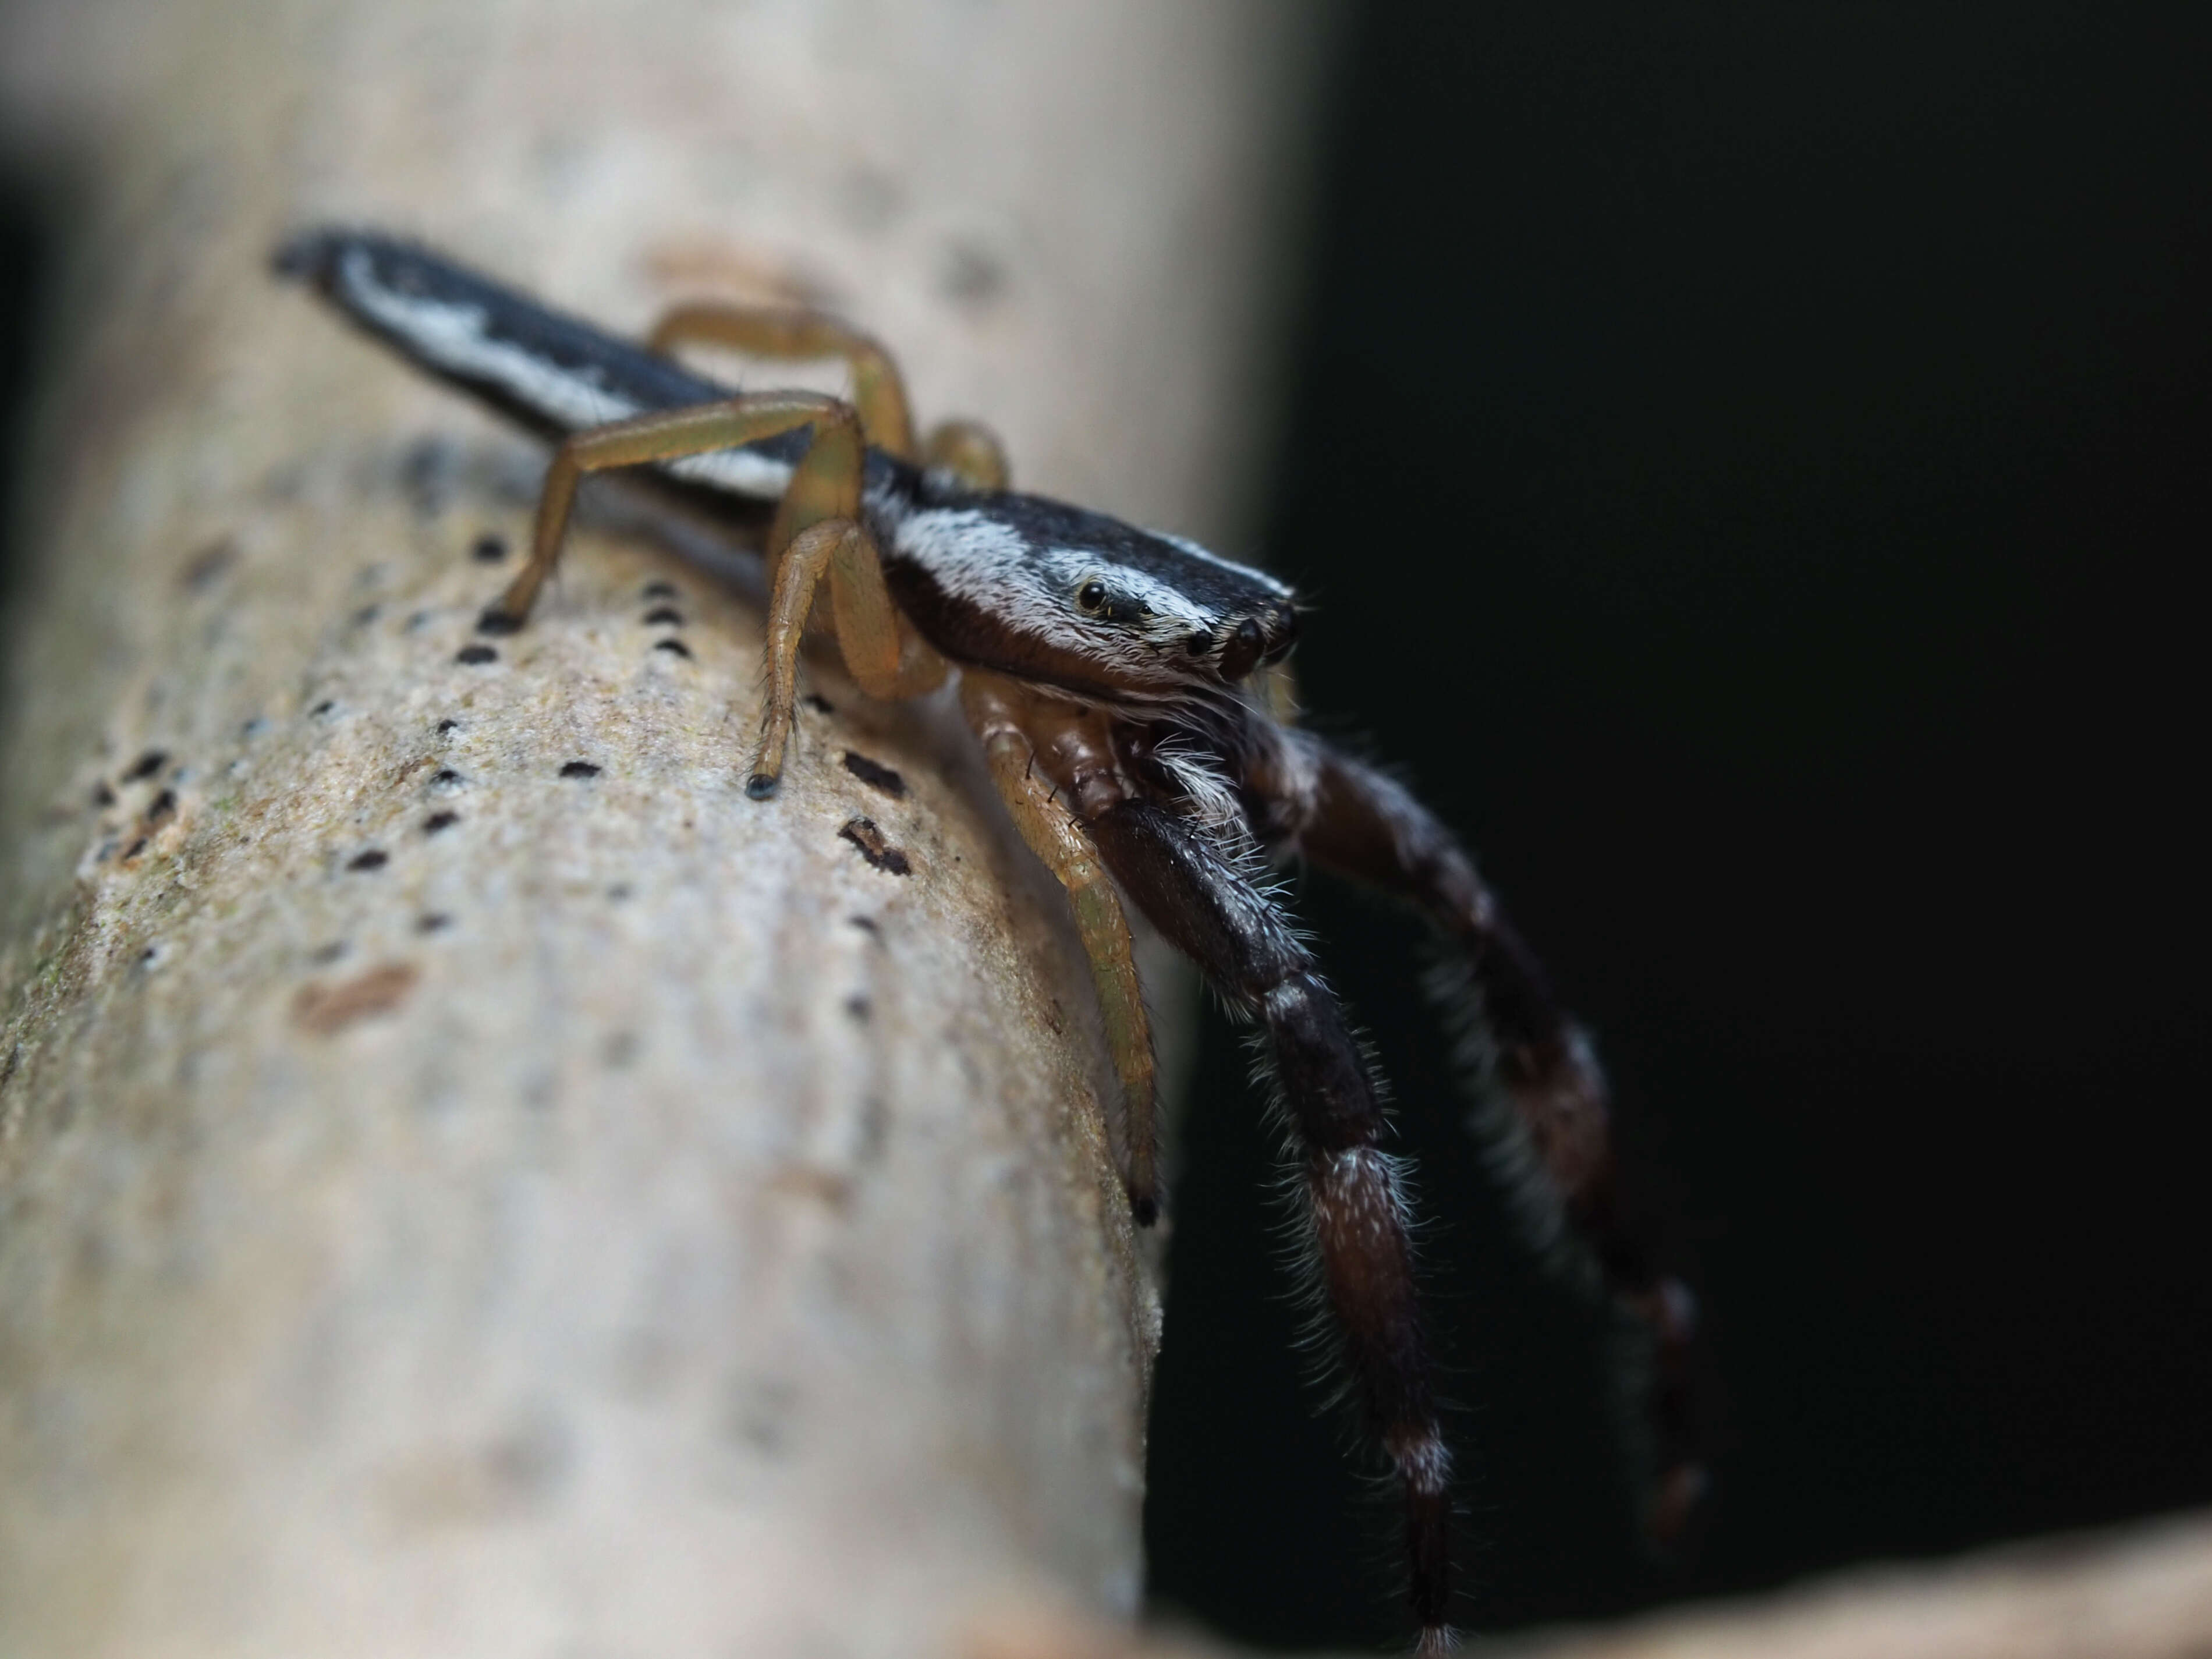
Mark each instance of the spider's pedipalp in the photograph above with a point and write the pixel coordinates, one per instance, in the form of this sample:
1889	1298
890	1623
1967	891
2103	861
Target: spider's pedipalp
1012	725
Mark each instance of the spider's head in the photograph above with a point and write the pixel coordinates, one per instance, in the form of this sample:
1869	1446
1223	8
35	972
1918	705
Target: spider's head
1051	592
1178	617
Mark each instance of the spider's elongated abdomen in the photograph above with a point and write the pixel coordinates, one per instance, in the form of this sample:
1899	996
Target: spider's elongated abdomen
552	372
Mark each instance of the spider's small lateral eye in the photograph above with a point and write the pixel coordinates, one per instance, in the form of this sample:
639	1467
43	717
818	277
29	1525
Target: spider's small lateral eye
1092	596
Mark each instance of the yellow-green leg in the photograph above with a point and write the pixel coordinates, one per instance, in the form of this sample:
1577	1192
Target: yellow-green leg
969	451
820	509
966	448
1054	837
878	390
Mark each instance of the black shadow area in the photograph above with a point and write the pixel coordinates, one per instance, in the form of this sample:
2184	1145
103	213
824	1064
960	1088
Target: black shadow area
1749	468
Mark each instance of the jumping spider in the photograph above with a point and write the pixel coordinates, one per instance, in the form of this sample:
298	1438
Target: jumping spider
1119	680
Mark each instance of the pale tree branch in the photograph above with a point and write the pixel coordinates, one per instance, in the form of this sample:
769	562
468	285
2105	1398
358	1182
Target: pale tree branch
471	1181
2141	1592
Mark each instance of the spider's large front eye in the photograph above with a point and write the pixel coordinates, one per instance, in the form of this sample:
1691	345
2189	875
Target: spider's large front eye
1092	596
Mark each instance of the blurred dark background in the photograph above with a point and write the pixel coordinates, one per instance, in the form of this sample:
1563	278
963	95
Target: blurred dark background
25	248
1747	461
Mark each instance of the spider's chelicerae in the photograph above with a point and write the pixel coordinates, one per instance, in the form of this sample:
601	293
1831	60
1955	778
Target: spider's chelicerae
1119	681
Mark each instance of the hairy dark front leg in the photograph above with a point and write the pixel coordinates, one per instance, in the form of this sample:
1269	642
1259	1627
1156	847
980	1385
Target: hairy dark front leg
1366	825
1215	914
1531	1054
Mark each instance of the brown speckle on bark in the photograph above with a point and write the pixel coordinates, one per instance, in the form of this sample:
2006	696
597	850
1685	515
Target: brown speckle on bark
878	852
325	1010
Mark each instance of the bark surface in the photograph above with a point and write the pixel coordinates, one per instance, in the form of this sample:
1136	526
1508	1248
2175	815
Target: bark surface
471	1181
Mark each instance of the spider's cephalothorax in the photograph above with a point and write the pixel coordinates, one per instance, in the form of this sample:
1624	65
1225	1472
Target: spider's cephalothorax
1112	675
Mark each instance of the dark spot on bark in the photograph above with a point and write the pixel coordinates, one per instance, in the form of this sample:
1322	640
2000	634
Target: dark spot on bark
620	891
875	1129
819	703
445	780
106	851
495	621
428	473
473	654
253	728
449	725
134	849
875	775
531	1462
866	925
620	1049
323	955
488	548
206	567
580	769
431	921
323	708
366	615
864	835
417	621
664	616
674	647
146	765
375	858
438	821
103	795
759	1410
163	809
858	1007
970	275
659	590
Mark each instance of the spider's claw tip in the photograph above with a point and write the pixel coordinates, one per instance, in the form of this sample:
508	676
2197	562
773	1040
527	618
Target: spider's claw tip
497	619
1145	1208
761	786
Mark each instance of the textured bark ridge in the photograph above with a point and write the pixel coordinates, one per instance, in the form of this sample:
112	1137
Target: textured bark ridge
472	1182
